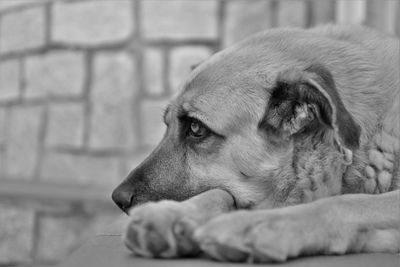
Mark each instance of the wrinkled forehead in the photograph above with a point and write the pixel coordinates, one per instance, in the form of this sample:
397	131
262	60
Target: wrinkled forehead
231	89
223	101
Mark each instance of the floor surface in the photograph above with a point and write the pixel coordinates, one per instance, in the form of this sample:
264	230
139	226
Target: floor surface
106	249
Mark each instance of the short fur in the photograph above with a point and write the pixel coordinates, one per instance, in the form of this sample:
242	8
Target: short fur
303	121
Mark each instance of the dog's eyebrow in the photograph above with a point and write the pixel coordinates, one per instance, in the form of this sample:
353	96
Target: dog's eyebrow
166	111
189	111
193	112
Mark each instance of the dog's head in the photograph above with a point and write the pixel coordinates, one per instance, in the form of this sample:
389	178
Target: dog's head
256	123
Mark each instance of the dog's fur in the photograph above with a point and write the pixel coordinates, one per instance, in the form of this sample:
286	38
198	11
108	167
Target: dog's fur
303	121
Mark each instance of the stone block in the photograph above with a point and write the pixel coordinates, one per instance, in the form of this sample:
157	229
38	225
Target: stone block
113	79
350	12
16	234
55	74
65	125
23	132
292	13
65	168
9	80
23	30
154	71
244	18
92	22
111	127
322	12
112	98
180	19
6	5
152	126
381	15
397	27
182	60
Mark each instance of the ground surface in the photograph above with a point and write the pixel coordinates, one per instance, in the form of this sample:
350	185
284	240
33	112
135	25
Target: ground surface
106	249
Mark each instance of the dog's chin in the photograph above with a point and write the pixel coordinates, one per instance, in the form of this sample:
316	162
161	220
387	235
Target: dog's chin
235	203
244	205
241	202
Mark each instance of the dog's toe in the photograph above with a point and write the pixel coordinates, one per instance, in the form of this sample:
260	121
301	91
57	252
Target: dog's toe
183	230
134	239
223	242
224	252
155	242
131	238
274	240
265	252
161	230
144	239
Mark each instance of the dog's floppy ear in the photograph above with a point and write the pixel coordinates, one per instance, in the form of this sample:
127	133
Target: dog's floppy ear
306	100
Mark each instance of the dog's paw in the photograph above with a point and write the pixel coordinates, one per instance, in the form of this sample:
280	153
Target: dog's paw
259	236
161	229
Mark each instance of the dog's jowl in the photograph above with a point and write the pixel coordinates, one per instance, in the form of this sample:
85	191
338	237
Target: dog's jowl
285	144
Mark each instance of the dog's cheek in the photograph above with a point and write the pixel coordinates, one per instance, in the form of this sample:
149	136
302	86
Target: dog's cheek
204	173
217	174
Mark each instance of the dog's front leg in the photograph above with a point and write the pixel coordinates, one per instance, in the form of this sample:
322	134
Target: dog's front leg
336	225
165	228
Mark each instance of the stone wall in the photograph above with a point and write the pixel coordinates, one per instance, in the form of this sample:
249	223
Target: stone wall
82	88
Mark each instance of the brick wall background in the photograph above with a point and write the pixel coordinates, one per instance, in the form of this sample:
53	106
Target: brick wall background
82	88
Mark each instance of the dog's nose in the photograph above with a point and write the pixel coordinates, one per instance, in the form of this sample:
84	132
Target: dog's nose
123	198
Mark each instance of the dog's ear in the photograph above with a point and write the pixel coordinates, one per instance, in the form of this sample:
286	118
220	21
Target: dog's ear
307	100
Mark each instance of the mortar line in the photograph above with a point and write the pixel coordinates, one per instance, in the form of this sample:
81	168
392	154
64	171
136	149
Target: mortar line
48	21
41	141
166	70
274	6
7	124
35	236
25	6
309	14
22	78
221	20
87	88
137	38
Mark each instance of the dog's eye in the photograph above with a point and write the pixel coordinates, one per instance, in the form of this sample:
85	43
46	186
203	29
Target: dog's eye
197	129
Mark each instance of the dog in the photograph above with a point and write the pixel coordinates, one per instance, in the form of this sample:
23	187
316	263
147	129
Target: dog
283	145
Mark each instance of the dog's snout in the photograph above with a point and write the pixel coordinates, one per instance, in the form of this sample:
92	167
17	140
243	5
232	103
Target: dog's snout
122	196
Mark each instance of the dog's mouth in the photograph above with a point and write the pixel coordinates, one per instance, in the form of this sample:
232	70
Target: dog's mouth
236	203
241	204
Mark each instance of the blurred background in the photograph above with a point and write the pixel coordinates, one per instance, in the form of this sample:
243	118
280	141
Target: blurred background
83	85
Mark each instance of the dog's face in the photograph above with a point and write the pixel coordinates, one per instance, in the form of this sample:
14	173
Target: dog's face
247	121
